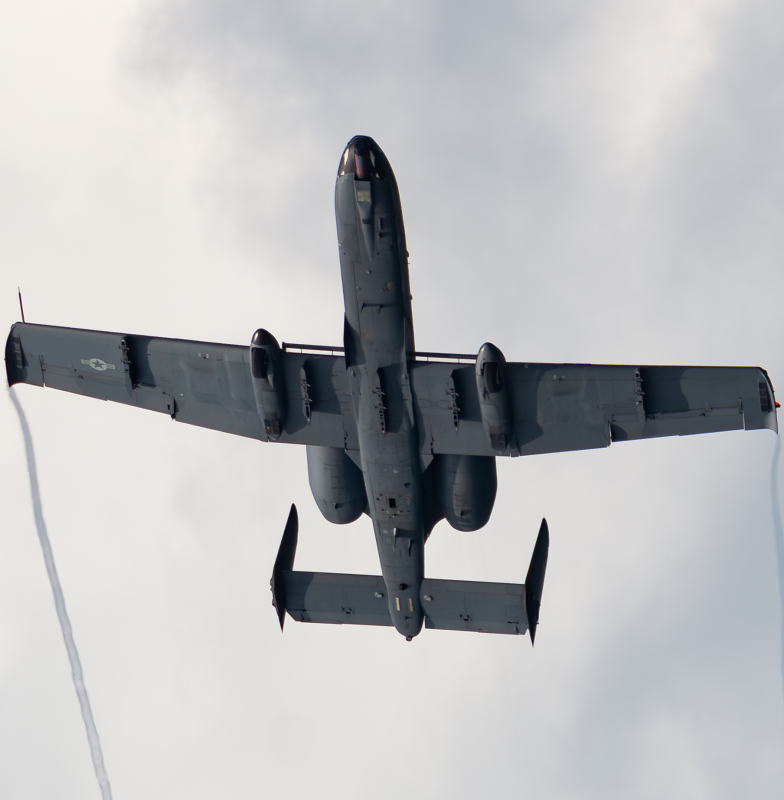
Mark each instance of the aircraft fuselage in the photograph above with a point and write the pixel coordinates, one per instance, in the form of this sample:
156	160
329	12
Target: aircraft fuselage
378	338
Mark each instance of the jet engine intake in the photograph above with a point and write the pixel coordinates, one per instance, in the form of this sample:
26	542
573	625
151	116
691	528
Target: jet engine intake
466	488
269	389
493	393
337	484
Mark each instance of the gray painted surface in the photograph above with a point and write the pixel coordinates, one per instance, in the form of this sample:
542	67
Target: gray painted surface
381	409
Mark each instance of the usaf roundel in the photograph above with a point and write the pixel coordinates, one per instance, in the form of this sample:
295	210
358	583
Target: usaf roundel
97	364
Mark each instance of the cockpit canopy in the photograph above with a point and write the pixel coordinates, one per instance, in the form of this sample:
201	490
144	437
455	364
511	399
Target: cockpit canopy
363	159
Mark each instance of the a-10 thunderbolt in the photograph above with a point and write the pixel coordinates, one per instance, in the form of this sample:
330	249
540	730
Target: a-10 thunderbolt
408	438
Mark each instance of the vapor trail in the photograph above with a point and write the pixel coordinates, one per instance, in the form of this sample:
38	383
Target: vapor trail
778	535
62	615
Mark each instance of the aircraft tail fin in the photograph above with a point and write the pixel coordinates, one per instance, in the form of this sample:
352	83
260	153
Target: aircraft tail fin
284	561
534	580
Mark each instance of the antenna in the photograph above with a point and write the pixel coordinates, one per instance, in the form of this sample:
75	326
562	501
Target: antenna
21	307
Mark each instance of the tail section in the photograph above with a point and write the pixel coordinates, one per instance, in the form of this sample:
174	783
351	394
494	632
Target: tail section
448	605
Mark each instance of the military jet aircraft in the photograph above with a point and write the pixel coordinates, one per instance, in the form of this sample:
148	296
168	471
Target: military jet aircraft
407	437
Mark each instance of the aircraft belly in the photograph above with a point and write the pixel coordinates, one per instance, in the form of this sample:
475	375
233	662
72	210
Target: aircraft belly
374	270
378	333
393	483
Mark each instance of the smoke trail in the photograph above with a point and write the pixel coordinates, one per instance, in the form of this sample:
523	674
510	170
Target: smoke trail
62	615
778	535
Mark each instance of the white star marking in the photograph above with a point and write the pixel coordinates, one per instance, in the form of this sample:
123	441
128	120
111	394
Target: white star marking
97	364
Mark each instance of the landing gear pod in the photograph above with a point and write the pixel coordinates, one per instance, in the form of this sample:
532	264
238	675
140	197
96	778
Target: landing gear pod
266	367
493	393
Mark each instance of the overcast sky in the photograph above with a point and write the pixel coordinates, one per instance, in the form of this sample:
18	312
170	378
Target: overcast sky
580	182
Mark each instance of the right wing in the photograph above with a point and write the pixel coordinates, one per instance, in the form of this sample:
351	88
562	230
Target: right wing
200	383
561	407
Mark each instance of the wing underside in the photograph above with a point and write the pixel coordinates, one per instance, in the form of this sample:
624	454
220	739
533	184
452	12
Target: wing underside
554	407
560	407
199	383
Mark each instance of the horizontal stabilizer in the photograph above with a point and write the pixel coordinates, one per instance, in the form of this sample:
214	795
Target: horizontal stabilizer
474	606
448	605
335	598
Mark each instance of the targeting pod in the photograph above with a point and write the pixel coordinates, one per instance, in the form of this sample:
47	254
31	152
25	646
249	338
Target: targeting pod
269	388
493	393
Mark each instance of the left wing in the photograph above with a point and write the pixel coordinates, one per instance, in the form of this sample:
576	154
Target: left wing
560	407
200	383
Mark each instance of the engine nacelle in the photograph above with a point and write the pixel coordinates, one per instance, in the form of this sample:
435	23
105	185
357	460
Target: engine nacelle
269	386
465	488
493	393
337	484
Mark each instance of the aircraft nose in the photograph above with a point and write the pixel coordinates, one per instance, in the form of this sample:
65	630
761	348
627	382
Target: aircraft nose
363	159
